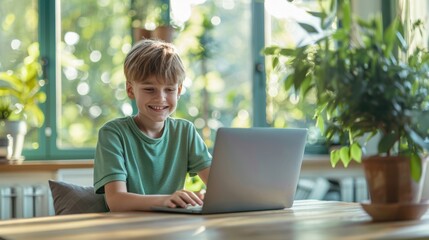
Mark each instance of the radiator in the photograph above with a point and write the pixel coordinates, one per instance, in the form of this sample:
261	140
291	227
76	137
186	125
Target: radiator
349	189
25	201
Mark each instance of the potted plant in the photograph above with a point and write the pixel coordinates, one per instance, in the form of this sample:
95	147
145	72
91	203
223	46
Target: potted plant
163	31
20	94
151	20
142	24
368	82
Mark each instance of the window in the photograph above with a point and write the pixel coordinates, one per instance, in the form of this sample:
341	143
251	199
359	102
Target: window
85	42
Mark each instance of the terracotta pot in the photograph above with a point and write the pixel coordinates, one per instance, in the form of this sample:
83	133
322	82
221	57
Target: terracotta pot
141	33
164	33
389	180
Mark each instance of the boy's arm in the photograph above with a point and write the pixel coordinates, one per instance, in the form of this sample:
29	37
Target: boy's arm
204	175
119	200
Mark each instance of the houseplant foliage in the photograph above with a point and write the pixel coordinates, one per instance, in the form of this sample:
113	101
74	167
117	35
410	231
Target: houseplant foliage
20	91
368	82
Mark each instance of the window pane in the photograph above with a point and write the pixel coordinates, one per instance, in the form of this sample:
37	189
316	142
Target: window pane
218	62
284	108
19	28
412	12
95	37
18	20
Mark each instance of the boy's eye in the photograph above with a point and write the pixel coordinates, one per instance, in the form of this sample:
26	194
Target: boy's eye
148	89
171	89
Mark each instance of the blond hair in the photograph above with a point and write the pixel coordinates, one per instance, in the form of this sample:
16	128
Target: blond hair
154	58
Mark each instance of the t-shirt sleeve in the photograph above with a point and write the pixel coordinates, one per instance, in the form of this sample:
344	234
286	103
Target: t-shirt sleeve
199	155
109	164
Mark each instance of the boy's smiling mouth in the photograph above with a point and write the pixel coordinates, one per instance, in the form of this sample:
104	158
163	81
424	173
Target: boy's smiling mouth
158	108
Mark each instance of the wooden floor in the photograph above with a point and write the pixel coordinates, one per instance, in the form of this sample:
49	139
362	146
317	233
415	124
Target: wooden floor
305	220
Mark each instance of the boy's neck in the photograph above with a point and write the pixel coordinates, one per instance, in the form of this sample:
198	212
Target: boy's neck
153	130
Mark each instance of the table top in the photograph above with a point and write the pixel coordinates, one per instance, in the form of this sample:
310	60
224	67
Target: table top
307	219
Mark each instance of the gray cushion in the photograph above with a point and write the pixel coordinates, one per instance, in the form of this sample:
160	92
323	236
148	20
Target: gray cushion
72	199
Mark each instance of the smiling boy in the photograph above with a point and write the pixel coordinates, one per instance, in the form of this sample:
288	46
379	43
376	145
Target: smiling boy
141	161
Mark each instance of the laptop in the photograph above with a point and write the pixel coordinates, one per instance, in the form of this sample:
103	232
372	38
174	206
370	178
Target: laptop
252	169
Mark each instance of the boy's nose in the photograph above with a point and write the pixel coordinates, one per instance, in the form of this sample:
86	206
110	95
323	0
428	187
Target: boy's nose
161	95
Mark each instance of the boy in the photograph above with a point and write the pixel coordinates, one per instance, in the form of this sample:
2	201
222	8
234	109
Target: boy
142	161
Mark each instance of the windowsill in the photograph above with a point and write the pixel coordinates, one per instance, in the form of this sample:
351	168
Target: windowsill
313	165
43	166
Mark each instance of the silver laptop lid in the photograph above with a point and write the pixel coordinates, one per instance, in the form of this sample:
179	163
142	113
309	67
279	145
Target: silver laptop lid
254	169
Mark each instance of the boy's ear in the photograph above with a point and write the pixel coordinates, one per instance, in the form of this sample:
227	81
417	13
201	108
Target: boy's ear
130	92
179	91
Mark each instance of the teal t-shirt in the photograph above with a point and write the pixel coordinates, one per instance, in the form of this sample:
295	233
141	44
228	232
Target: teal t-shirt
148	165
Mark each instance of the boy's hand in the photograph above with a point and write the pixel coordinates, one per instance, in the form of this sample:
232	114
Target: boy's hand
201	194
182	198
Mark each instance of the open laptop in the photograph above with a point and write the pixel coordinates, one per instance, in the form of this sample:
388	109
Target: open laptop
252	169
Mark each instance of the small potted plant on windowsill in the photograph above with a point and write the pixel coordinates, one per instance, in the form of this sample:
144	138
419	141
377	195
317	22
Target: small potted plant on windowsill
20	94
151	20
368	82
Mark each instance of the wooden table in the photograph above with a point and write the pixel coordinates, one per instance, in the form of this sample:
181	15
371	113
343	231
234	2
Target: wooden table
307	219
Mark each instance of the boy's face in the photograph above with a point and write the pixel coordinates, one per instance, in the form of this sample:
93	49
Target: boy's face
155	100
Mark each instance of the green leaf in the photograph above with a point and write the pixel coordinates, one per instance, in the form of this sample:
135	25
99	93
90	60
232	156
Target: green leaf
345	155
320	123
288	83
390	37
356	152
33	50
417	138
270	50
327	22
347	16
40	97
416	167
363	23
10	80
37	117
340	35
308	28
275	62
300	75
287	52
335	157
305	87
317	14
378	33
403	43
386	143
